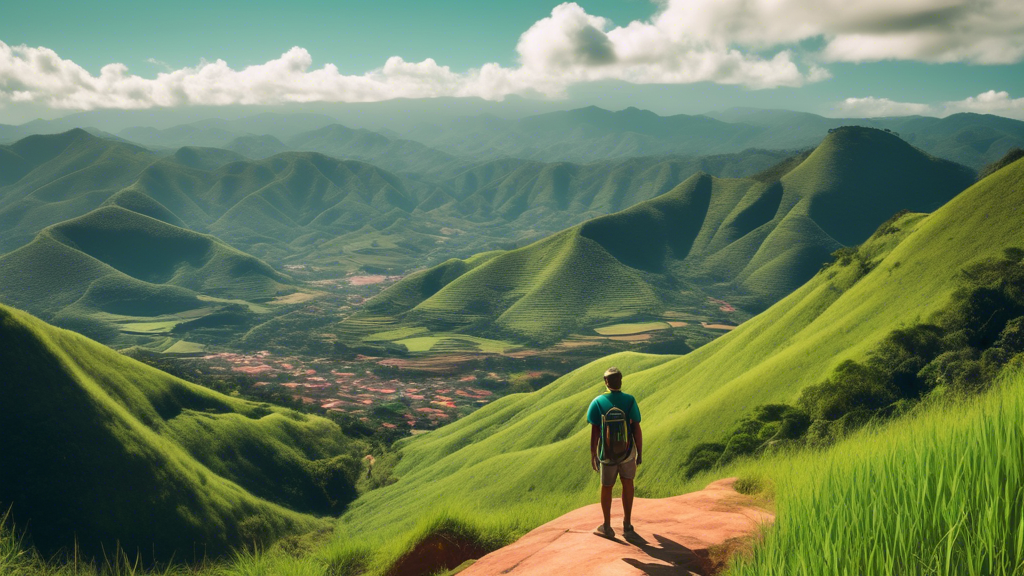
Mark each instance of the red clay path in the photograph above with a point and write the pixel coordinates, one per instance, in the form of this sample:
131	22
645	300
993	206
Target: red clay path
689	534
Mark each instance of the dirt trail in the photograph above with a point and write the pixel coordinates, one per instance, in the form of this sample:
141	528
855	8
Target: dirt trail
689	534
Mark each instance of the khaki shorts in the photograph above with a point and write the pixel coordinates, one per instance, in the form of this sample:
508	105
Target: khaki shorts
627	470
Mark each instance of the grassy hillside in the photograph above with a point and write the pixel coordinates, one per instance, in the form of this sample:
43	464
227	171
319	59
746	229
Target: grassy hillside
531	446
746	241
113	262
938	493
103	450
48	179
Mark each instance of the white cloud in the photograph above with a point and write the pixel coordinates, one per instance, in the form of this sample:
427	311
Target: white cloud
752	43
568	47
991	102
871	107
978	31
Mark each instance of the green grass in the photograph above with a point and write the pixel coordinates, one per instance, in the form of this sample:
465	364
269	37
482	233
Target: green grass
420	344
184	347
623	329
454	342
937	493
98	445
389	335
161	327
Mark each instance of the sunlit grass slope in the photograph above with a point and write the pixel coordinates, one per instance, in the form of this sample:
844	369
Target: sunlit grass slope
938	493
755	240
524	458
104	449
118	261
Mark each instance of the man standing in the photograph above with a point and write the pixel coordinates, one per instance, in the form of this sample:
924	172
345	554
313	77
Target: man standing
607	414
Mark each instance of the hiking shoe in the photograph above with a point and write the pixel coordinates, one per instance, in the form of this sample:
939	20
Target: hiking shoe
605	530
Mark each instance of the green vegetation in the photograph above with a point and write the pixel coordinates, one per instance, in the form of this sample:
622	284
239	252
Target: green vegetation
960	354
97	445
453	343
740	240
621	329
935	493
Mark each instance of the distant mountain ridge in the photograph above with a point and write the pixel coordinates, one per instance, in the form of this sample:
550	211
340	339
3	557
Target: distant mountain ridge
580	135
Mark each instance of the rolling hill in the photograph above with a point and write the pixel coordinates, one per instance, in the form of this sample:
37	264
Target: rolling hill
104	453
113	262
521	461
51	178
749	241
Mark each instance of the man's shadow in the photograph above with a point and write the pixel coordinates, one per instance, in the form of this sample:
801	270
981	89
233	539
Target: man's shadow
680	557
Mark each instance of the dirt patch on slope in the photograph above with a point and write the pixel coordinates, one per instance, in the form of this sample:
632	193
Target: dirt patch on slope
435	553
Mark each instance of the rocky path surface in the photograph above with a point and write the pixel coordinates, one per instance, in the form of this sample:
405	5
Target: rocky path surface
689	534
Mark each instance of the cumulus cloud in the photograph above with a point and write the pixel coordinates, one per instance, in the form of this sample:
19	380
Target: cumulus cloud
990	102
978	31
871	107
565	48
752	43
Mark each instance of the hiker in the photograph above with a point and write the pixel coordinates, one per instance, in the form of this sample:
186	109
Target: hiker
616	448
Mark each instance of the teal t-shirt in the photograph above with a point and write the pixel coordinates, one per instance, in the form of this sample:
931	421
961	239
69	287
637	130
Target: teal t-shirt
620	400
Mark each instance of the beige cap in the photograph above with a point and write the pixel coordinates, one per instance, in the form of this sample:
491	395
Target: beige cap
612	372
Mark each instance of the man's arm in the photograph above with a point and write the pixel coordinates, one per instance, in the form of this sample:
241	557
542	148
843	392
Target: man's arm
595	437
638	439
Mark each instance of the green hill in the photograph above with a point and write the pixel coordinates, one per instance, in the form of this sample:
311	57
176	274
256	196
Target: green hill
48	179
101	451
116	262
205	158
745	241
521	460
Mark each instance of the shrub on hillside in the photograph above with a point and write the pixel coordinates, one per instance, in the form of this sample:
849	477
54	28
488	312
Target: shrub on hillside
851	387
960	353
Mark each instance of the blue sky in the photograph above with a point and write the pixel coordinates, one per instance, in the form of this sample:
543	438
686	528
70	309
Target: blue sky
678	56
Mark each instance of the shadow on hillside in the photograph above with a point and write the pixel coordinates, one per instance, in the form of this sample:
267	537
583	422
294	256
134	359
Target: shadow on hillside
682	560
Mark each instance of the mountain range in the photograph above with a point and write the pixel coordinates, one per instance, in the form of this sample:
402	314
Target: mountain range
439	148
749	241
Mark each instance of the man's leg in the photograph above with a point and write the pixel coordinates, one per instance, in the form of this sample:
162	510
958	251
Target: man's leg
606	504
627	502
